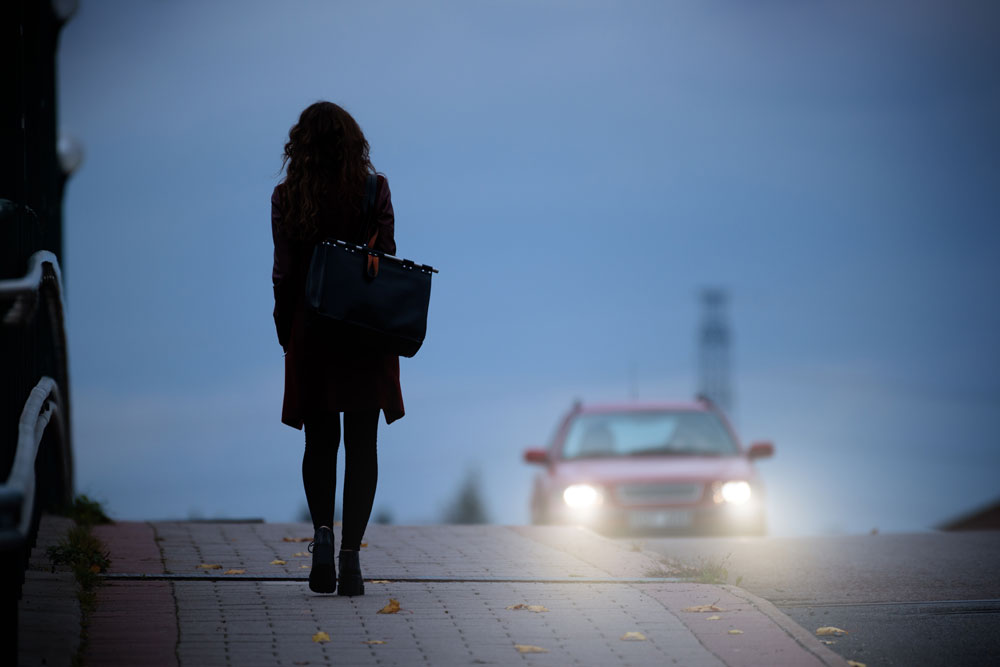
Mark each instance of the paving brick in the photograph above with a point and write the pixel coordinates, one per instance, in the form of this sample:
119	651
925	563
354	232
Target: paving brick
268	616
48	612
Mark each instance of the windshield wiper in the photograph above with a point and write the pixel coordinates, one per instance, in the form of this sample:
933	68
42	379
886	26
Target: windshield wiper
670	451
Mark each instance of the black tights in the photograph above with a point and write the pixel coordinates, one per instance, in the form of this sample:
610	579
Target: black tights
319	471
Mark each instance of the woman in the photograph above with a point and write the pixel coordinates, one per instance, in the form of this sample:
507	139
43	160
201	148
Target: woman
321	197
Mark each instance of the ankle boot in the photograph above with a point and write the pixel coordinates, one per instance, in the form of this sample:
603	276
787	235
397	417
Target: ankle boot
323	576
350	581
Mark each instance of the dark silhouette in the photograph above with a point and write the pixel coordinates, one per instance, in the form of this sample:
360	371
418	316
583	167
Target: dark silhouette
326	160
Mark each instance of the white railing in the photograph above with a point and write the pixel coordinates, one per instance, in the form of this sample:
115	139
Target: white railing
44	411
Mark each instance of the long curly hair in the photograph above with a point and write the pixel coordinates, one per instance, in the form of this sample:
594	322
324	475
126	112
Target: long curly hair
326	163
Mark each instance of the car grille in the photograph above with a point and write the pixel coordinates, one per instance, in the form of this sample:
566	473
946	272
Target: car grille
659	493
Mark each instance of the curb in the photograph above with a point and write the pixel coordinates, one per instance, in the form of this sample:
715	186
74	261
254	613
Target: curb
803	637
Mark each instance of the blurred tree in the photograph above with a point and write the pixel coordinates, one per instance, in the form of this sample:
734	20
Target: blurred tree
468	506
305	517
383	517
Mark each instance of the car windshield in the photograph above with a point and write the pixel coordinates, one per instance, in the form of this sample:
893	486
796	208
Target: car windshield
648	433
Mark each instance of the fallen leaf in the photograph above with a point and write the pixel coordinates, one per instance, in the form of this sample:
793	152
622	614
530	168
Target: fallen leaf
827	642
714	618
736	632
528	648
300	554
235	571
703	608
830	630
305	567
321	637
210	566
528	607
379	581
95	569
633	637
278	561
576	575
855	663
391	608
296	539
375	641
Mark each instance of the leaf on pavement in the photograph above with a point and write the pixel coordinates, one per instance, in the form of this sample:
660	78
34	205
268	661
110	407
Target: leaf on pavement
528	648
296	539
528	607
375	641
633	637
830	630
300	554
305	567
209	566
278	561
235	571
391	608
855	663
379	581
716	617
321	637
703	608
736	632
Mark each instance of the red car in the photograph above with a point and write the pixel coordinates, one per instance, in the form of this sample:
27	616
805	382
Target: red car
650	468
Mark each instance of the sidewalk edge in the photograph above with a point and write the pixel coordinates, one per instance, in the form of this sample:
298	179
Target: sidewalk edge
802	636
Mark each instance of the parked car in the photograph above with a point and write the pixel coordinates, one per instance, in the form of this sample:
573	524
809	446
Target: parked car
650	468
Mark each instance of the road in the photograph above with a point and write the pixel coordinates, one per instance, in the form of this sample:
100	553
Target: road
906	599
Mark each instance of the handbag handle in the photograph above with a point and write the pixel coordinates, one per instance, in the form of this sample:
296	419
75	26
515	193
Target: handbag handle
368	212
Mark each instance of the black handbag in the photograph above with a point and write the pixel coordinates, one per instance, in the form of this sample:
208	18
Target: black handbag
370	300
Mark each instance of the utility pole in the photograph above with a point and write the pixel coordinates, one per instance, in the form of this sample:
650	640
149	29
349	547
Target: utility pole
714	349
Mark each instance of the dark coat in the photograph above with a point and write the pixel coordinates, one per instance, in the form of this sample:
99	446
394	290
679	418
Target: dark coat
322	376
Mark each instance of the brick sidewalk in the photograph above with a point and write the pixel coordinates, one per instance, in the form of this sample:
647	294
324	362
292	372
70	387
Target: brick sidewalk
453	583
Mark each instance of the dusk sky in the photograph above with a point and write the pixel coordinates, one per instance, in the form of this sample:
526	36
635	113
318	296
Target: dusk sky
577	171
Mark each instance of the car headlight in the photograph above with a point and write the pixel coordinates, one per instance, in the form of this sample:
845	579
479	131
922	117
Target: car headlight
582	496
735	493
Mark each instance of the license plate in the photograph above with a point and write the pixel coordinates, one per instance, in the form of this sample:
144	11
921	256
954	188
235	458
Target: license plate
661	519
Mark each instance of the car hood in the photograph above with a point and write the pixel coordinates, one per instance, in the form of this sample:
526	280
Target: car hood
680	468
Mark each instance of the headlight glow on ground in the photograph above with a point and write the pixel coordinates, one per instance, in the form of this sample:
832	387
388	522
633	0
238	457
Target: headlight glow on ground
736	493
581	496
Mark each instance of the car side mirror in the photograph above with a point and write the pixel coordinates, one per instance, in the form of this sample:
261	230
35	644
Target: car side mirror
760	450
535	455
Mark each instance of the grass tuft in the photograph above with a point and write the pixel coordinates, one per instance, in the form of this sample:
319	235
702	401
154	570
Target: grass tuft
84	554
708	570
87	557
87	512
